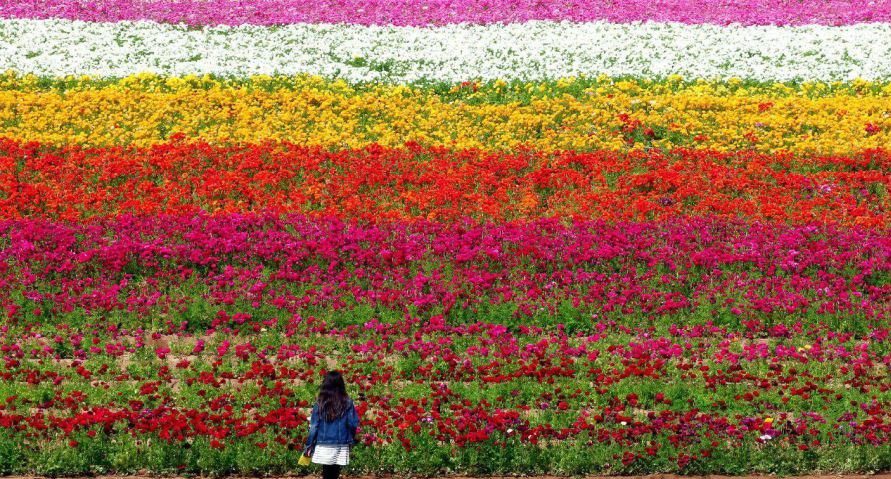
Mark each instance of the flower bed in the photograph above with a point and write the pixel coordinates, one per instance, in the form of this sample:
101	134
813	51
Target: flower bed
538	237
576	115
418	182
536	50
438	12
691	347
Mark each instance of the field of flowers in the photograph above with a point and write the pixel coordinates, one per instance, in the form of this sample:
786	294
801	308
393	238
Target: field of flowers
537	236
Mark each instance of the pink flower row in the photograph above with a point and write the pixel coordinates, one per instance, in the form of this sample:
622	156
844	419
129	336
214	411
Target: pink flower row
437	12
740	275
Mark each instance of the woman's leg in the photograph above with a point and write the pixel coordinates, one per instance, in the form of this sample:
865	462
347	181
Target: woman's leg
330	472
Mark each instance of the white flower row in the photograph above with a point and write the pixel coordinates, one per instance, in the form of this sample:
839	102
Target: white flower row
532	51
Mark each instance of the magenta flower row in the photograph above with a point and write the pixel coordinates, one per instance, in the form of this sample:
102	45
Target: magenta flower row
737	274
438	12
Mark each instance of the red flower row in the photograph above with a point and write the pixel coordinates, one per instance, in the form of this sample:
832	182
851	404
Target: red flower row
416	182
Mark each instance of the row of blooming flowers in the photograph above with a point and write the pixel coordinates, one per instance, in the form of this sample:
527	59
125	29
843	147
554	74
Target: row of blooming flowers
418	182
155	271
195	344
535	50
438	12
586	114
463	397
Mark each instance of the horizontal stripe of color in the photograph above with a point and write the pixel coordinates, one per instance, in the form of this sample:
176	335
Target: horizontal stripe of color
327	116
533	51
434	183
207	272
471	92
439	12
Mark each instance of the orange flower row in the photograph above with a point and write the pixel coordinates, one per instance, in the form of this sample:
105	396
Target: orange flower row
415	182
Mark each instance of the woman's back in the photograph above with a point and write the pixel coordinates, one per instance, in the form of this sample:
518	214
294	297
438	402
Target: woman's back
337	430
332	427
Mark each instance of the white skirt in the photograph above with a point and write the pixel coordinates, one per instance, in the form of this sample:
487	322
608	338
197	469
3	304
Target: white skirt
331	454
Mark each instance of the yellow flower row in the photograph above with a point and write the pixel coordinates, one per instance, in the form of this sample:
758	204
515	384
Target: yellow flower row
495	90
603	118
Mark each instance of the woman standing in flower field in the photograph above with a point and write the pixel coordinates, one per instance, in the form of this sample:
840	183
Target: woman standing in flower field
332	429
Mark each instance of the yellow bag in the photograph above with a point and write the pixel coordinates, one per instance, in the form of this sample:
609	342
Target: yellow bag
304	460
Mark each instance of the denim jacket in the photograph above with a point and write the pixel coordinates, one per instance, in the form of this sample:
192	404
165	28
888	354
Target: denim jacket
339	431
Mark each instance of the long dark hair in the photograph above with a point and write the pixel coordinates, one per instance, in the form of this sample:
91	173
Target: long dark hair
333	399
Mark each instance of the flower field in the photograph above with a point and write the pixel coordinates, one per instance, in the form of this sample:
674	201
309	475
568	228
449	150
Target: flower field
538	237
